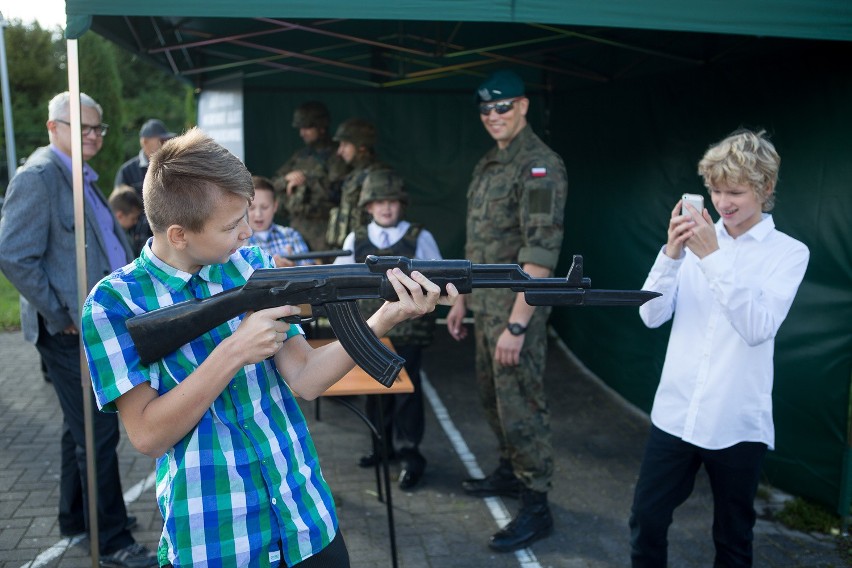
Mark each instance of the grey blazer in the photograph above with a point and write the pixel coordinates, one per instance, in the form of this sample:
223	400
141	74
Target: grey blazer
37	244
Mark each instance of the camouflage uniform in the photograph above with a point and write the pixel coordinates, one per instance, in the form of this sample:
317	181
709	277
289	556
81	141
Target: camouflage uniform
346	217
515	215
309	205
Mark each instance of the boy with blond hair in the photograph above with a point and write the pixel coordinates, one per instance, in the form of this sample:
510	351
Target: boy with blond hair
238	479
729	286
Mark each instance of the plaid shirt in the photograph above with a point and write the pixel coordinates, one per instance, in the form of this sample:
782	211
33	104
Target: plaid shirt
278	239
243	488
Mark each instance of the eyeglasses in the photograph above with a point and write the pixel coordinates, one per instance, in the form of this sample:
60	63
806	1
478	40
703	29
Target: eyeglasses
85	129
502	107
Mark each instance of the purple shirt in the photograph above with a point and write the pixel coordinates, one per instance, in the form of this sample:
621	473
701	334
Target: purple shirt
103	215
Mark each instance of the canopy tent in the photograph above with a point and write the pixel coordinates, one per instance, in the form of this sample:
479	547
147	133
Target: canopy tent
813	19
628	92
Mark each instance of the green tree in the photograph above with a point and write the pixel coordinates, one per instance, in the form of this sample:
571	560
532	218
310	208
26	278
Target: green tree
129	89
150	92
34	77
100	79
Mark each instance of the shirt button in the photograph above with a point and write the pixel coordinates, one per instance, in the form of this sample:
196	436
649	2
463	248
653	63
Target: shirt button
274	501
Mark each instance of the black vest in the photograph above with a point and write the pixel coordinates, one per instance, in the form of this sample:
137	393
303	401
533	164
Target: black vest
411	332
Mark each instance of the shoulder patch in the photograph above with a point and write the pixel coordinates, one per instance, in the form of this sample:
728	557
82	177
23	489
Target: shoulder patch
538	172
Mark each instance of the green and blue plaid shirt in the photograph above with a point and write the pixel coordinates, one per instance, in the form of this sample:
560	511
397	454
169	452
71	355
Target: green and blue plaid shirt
278	238
244	488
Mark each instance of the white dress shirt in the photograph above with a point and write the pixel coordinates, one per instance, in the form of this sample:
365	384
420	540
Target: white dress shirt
427	248
716	386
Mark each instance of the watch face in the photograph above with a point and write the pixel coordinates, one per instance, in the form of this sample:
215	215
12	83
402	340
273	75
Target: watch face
516	329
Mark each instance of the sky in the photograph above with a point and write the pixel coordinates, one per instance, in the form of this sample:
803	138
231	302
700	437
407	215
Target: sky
48	13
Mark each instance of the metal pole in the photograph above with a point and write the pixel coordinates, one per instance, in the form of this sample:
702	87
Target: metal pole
82	288
11	160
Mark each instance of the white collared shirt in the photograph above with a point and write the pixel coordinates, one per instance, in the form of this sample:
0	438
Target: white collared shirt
716	386
427	248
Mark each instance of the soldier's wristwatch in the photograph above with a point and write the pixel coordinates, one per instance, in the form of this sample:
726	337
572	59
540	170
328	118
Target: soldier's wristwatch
516	328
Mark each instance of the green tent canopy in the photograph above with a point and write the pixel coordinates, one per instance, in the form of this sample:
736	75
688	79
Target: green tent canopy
629	92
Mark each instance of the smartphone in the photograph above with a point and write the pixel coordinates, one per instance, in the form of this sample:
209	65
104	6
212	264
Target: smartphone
693	199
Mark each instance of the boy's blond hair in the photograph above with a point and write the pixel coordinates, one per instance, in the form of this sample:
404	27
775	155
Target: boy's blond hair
743	158
186	178
124	199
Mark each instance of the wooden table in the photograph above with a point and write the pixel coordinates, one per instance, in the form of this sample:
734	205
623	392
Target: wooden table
357	382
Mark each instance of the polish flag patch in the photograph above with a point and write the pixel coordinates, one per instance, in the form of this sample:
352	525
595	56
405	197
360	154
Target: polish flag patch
538	172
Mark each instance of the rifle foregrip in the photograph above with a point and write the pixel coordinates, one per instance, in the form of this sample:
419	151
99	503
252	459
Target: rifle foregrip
361	343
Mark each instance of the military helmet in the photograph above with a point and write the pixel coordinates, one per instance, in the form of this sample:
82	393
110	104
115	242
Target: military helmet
356	131
312	114
380	185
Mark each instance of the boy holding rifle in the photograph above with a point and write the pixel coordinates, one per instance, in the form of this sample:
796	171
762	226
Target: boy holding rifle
238	479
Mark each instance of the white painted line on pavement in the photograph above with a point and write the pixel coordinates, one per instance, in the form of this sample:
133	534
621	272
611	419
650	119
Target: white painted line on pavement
526	557
64	544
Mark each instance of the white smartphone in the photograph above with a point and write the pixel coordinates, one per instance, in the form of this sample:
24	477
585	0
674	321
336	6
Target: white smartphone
693	199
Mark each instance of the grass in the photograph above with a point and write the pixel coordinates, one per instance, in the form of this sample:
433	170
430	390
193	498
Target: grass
10	310
805	516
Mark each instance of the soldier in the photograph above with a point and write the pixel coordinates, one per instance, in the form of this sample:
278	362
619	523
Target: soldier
515	211
357	138
388	233
306	181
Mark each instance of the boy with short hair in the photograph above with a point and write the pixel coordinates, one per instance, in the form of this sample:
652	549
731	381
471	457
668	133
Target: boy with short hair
127	206
274	239
384	198
238	479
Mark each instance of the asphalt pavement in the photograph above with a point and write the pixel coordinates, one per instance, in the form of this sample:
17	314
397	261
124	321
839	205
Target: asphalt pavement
598	441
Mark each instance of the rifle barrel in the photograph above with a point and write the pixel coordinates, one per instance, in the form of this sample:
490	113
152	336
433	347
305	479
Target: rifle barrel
320	254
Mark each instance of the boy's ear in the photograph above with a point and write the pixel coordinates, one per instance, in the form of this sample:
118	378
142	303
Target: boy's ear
176	236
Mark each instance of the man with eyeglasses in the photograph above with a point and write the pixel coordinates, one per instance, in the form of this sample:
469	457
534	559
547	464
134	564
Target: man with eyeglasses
515	215
38	256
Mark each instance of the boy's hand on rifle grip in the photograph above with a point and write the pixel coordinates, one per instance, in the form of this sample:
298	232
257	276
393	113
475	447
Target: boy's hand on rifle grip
262	333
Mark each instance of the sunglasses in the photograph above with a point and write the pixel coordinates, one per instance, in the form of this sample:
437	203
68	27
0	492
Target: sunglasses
501	107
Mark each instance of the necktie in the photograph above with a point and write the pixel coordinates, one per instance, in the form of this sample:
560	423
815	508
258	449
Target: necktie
385	240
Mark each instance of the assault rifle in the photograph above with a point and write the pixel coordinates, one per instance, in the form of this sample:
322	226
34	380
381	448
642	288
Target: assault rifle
332	291
317	254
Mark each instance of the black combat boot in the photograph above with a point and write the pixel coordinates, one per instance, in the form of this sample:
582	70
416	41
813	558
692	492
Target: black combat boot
501	482
533	522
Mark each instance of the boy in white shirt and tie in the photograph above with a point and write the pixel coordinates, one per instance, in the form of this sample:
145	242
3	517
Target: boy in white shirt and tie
384	197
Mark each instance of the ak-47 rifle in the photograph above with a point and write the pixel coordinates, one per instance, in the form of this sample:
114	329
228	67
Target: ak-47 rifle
317	254
332	291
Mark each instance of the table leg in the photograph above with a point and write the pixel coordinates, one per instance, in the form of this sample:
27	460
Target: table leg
381	444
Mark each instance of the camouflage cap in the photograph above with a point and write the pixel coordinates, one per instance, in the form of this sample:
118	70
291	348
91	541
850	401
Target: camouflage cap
502	84
380	185
312	114
356	131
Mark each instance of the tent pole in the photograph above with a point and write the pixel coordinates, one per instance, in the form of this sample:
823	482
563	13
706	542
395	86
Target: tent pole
11	159
845	498
82	288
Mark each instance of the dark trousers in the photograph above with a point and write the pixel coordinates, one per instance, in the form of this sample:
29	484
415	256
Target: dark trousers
404	413
667	478
61	355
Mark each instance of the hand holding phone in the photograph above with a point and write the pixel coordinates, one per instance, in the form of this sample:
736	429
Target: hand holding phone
693	199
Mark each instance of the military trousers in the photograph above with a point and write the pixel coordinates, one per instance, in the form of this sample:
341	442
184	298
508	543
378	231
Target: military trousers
514	400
